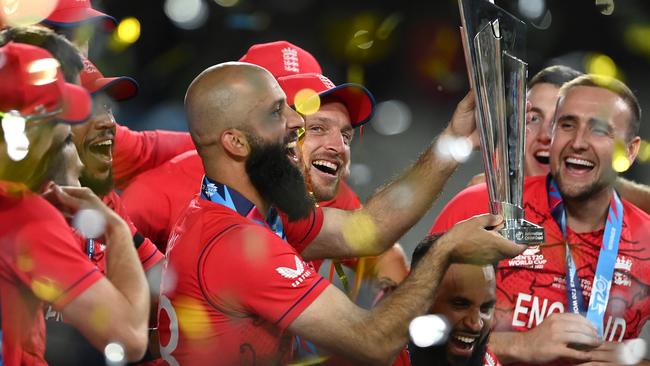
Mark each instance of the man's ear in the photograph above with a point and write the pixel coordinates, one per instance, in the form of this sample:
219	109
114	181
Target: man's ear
633	148
235	143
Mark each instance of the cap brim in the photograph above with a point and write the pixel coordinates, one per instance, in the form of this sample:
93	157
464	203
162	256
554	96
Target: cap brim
358	100
75	17
118	88
77	105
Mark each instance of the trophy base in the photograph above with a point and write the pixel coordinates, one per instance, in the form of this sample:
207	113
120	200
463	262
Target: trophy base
524	232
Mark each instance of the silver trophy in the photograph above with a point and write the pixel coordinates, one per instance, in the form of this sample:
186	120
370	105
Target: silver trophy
494	42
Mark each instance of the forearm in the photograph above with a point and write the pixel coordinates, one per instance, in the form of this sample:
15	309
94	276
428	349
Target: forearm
638	194
396	207
384	331
124	271
506	346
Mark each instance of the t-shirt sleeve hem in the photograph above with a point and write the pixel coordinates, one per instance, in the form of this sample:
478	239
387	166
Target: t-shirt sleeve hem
77	288
302	303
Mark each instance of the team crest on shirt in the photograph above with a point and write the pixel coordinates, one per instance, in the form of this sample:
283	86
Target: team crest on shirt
298	274
530	258
622	269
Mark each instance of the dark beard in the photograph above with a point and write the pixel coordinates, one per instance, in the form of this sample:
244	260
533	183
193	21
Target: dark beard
101	187
437	355
585	195
277	179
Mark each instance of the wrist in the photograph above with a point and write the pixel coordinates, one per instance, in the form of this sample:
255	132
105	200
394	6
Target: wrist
507	346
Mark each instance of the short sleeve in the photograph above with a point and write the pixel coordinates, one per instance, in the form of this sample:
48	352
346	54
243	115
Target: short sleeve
149	209
468	203
149	255
252	271
302	232
139	151
50	261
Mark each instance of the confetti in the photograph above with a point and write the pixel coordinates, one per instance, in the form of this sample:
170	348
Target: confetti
428	330
90	223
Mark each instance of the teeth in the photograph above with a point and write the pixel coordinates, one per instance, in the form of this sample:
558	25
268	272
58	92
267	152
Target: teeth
105	143
542	154
465	339
291	145
577	161
326	164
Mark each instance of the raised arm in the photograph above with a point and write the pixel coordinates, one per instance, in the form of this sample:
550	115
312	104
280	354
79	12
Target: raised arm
397	206
139	151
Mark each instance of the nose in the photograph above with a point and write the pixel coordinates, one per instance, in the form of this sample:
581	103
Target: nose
579	141
106	121
473	321
294	121
544	133
335	142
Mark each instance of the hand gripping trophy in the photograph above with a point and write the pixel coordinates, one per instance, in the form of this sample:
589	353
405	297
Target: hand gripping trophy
494	45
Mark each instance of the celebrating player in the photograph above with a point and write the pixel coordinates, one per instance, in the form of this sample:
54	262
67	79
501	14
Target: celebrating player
240	279
466	299
42	262
541	290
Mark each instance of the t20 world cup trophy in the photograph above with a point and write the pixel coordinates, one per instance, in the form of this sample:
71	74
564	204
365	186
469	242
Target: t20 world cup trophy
494	42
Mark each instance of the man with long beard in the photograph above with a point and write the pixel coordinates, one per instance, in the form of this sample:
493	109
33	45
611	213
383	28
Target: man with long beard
233	288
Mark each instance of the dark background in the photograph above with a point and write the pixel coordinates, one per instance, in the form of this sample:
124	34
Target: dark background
415	58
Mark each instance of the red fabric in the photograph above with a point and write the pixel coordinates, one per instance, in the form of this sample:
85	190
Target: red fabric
237	288
147	252
490	358
531	286
403	358
155	207
138	151
40	261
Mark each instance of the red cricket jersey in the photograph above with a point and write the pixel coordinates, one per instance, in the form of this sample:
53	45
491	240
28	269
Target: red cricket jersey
147	252
231	287
40	262
531	286
139	151
154	207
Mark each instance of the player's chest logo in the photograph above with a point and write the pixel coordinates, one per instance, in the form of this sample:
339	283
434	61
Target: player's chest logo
532	257
622	270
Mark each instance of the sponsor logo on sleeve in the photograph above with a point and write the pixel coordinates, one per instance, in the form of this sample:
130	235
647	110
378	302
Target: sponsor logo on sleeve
298	274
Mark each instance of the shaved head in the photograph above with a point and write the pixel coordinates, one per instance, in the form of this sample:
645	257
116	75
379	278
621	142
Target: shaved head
222	97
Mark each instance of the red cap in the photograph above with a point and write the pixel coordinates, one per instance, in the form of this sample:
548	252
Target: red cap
282	58
33	84
357	99
72	13
118	88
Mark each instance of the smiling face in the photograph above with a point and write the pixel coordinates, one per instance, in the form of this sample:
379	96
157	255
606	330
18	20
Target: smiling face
94	141
590	120
326	148
543	98
466	297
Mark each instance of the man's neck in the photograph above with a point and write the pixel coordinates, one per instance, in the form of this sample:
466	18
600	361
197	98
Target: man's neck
584	216
240	182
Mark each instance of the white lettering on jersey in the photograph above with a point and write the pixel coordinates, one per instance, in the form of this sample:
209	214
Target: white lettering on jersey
531	310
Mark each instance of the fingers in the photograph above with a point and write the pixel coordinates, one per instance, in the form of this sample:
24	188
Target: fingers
485	221
66	200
